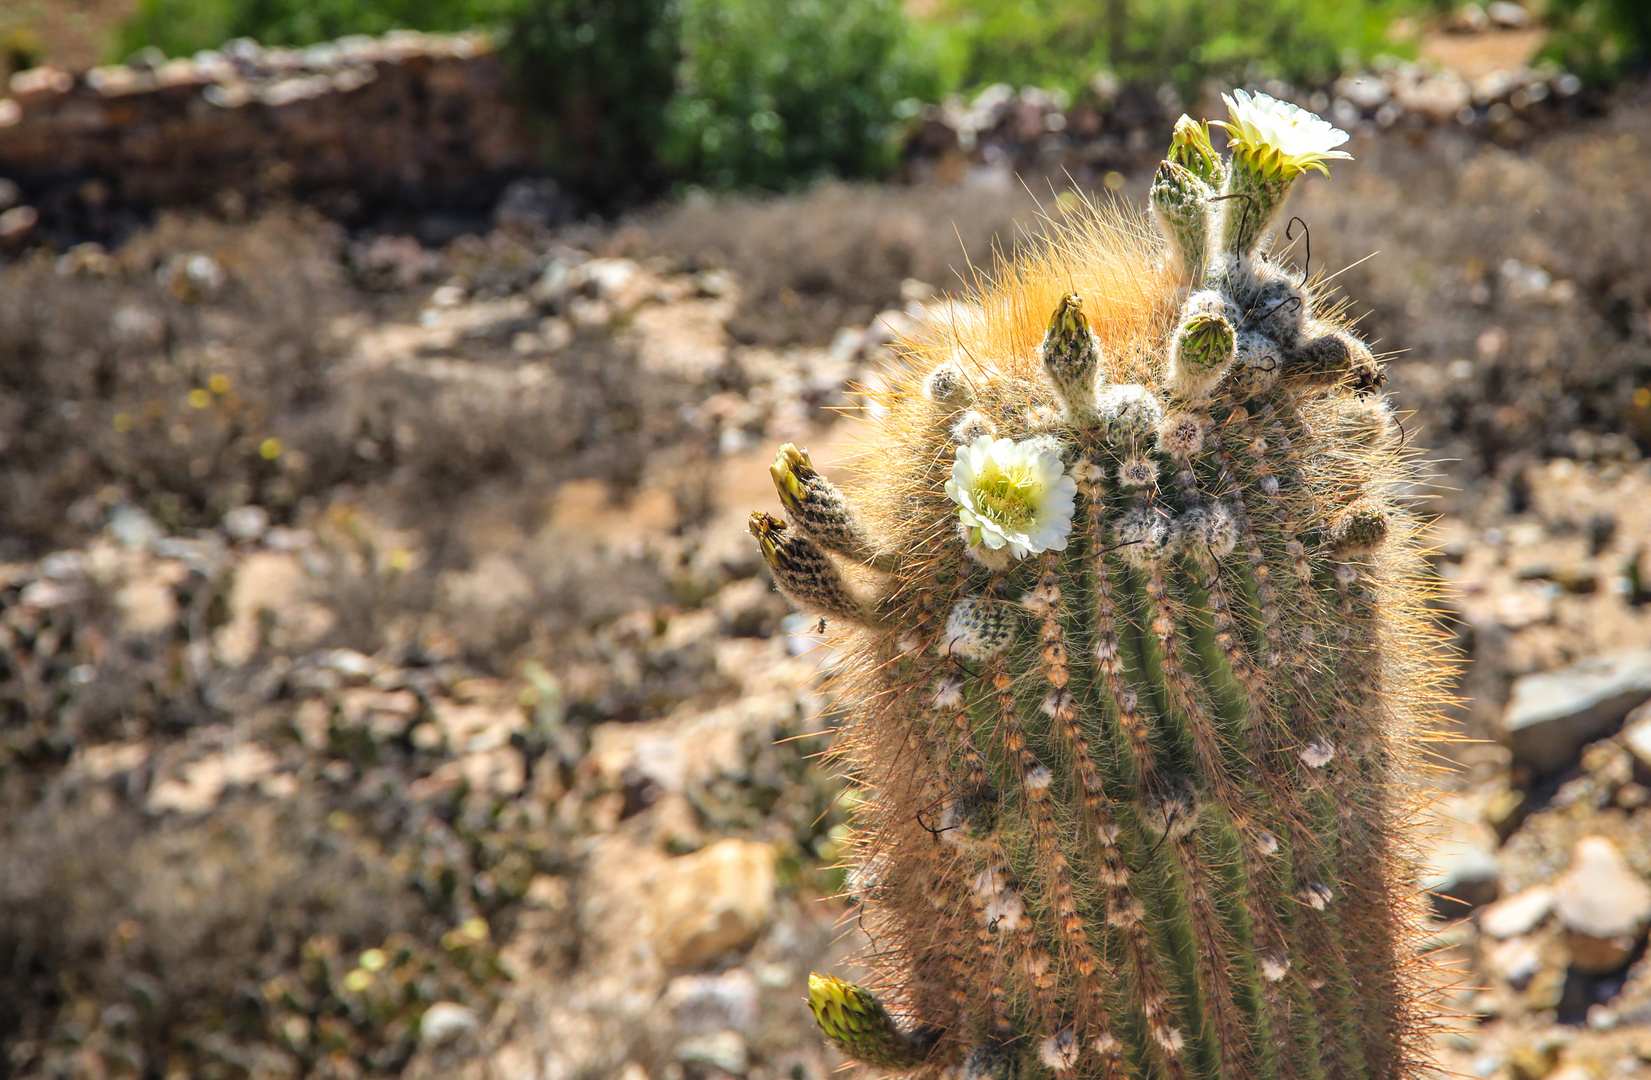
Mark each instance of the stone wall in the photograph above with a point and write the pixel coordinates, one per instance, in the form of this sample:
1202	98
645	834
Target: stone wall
425	129
408	120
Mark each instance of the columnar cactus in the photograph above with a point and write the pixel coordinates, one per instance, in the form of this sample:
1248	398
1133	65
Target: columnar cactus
1138	656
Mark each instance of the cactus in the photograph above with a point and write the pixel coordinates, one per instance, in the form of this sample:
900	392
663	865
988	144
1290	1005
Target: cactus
1137	659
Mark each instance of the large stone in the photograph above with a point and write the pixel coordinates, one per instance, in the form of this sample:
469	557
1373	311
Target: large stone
446	1022
1459	866
704	1004
725	1051
712	902
1604	906
1551	715
1518	914
1515	961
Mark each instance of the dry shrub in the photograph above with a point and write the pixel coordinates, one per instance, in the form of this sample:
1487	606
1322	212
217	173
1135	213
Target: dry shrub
836	255
1511	287
99	355
137	944
205	365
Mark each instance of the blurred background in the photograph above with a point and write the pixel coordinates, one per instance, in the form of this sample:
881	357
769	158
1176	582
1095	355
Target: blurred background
388	686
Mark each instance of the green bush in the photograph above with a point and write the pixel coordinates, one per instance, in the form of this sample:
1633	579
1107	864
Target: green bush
1061	43
600	74
771	93
180	27
1599	39
636	93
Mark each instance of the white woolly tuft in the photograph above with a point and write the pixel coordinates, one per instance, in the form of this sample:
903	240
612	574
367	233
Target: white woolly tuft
1181	435
1086	472
988	883
1060	1051
948	693
971	426
1128	413
1004	912
1125	912
980	553
946	385
1142	536
1274	965
1138	471
1317	754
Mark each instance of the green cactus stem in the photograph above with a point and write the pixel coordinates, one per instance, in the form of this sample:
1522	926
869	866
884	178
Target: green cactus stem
1138	659
1181	202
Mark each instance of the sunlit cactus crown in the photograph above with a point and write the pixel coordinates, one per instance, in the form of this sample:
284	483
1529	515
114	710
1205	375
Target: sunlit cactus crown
1137	658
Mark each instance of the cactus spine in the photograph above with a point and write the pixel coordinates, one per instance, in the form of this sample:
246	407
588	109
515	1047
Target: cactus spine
1138	657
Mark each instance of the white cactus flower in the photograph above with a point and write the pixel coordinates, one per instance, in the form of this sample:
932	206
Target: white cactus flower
1013	494
1276	137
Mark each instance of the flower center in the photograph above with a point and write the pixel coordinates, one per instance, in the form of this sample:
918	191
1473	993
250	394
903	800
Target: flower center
1009	496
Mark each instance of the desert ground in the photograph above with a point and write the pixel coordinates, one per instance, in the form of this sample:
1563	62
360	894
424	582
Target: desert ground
391	686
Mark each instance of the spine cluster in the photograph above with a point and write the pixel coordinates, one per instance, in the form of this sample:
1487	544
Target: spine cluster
1138	659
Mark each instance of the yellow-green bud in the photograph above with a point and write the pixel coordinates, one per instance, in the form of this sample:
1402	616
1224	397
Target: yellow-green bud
856	1023
1202	354
1071	358
1190	148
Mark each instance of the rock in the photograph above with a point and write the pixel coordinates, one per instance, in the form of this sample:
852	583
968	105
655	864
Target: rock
1366	92
1467	19
133	527
1516	961
137	327
46	594
725	1050
64	566
1551	715
1533	1061
1604	906
621	282
1518	914
246	523
474	727
446	1022
1636	736
17	223
10	193
1460	880
1439	98
353	666
534	203
1508	15
1505	810
40	82
1460	867
703	1004
713	901
203	782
